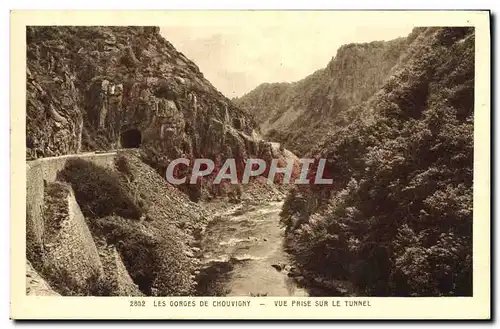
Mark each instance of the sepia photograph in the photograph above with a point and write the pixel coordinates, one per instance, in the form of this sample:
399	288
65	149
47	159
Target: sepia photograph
247	160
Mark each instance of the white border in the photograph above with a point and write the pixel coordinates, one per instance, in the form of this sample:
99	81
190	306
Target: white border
90	4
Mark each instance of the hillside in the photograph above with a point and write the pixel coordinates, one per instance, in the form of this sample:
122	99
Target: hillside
94	88
393	119
301	113
398	219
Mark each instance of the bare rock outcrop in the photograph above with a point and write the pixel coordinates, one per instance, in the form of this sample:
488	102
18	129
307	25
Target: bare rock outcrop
94	88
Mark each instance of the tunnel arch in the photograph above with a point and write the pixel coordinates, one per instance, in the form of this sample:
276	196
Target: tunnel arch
131	138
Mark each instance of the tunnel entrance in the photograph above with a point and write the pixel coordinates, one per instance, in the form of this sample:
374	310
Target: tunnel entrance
131	138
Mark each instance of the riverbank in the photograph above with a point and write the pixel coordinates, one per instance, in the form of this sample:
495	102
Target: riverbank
242	253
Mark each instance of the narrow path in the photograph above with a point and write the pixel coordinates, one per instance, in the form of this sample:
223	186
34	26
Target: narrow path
88	154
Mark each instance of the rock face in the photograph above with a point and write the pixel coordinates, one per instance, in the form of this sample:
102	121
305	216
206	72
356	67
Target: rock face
102	88
301	113
93	88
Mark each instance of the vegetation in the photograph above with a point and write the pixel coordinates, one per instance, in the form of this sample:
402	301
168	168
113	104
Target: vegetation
98	190
134	209
299	114
65	284
398	219
55	207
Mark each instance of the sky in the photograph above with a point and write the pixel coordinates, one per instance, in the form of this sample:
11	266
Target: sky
237	56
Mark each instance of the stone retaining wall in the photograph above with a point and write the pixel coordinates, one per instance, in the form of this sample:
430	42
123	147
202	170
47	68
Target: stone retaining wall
38	174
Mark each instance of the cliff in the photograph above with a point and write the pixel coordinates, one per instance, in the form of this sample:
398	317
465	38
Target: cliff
100	88
302	113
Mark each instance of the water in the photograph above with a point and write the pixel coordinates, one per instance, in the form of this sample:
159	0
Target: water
239	251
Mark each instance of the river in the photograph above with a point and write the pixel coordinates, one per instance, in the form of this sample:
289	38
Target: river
239	250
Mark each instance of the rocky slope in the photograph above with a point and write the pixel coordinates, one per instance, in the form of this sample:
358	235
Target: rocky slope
94	88
101	88
397	221
118	229
301	113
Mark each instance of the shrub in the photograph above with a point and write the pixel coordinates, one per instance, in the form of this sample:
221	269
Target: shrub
98	190
398	220
154	259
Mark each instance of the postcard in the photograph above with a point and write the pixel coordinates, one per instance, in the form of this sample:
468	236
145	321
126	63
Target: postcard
250	165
